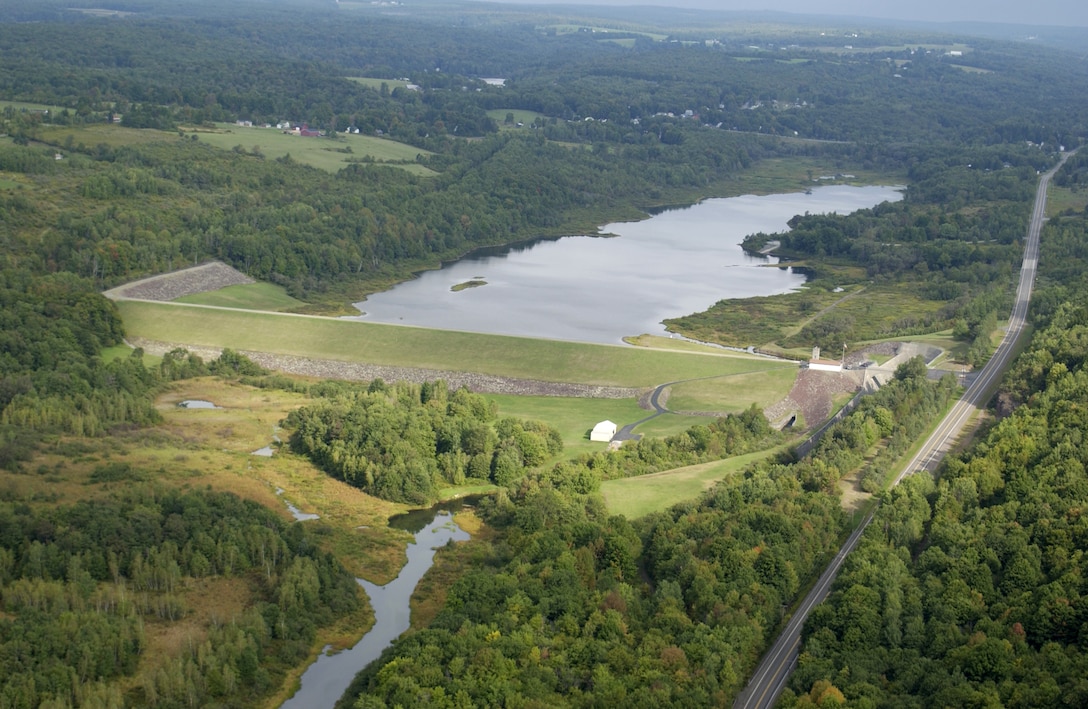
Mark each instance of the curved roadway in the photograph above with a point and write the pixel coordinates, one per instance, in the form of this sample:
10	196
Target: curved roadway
777	664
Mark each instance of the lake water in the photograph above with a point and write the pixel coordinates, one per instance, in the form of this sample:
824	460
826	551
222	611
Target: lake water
329	676
595	289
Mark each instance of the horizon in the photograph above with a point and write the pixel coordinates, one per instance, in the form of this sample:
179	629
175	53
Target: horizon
1044	13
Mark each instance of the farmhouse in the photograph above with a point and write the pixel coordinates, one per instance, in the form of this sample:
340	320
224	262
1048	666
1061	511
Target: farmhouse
603	431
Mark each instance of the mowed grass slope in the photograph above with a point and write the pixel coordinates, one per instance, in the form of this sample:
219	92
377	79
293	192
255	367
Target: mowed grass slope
248	296
639	496
731	394
392	345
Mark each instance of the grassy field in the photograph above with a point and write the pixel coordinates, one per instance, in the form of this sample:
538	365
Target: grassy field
435	349
376	84
675	344
6	184
575	417
639	496
1060	199
117	351
250	296
25	106
330	154
526	118
115	136
774	322
734	393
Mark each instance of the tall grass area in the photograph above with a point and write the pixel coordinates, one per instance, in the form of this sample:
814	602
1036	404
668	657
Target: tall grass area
393	345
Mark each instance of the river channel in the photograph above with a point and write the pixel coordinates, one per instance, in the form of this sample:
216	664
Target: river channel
597	289
328	677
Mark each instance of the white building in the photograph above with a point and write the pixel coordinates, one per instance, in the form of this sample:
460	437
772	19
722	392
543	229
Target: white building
603	431
823	365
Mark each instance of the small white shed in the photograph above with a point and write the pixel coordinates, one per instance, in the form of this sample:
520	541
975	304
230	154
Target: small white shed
603	431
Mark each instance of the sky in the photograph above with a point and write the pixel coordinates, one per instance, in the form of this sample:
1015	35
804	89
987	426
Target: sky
1028	12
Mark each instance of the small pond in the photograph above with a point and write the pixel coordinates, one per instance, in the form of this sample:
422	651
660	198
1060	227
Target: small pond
596	289
415	520
328	678
196	404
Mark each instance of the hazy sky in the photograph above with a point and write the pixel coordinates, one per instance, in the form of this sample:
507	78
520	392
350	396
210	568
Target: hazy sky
1032	12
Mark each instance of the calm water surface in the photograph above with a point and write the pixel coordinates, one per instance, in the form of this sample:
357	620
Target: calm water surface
326	680
602	289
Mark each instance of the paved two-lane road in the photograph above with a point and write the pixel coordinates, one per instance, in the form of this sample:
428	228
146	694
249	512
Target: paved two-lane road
777	664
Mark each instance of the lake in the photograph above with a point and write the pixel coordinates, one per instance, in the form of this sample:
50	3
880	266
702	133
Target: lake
601	289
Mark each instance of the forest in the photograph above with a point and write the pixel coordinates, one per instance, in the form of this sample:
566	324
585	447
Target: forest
968	590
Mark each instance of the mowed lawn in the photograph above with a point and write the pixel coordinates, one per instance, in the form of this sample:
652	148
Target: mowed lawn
575	417
639	496
733	393
393	345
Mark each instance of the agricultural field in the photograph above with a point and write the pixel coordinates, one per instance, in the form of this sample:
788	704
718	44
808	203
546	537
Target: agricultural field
392	345
329	154
114	136
25	106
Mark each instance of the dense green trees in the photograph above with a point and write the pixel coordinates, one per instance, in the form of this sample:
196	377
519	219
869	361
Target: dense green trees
971	590
578	608
78	582
404	442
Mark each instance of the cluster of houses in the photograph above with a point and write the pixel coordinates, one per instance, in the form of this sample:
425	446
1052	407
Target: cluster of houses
299	129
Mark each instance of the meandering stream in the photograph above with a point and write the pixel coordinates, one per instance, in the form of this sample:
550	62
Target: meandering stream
329	676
